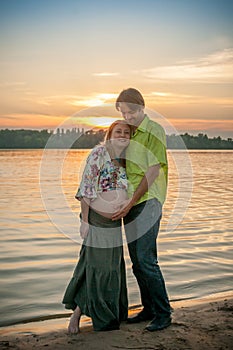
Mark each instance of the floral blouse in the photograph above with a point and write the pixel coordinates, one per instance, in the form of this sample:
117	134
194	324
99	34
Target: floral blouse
101	174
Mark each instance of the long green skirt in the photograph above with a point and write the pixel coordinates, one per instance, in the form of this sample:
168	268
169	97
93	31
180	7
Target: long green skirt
98	285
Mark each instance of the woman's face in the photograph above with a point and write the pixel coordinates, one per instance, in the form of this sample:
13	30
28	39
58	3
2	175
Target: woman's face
120	135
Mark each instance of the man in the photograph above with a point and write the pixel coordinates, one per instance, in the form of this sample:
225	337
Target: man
146	167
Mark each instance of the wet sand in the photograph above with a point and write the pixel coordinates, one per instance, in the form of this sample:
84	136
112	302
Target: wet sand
199	324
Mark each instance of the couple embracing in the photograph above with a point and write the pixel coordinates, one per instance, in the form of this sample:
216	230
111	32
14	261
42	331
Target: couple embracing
125	177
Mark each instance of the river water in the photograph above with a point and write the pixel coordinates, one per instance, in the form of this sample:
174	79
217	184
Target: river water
40	240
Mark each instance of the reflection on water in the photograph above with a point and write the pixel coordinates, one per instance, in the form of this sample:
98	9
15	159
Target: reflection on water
37	260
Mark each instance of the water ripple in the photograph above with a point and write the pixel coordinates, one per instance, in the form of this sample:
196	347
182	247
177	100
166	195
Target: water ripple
37	260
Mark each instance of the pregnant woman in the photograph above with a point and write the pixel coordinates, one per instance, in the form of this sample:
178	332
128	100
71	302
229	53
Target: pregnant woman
98	286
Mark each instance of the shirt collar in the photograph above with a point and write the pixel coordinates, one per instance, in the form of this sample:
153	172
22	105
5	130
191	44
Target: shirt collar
143	126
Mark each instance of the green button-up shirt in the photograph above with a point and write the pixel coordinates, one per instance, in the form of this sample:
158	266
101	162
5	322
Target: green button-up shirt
147	148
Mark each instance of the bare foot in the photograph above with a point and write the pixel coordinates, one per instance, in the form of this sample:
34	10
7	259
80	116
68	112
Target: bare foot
73	327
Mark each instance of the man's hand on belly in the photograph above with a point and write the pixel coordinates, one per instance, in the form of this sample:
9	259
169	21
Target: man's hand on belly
122	209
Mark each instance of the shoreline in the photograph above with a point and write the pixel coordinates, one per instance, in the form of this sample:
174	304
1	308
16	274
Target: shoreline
45	321
204	323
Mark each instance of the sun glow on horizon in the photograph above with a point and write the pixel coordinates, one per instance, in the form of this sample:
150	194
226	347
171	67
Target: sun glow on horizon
98	122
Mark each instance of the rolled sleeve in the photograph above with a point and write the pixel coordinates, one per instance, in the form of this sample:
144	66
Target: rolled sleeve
157	149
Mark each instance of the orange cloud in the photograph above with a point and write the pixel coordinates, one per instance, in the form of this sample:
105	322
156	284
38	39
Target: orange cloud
203	125
30	121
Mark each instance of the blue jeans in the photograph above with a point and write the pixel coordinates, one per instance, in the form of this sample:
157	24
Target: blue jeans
141	228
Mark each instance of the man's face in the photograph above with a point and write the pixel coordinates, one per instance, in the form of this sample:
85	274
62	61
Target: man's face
133	117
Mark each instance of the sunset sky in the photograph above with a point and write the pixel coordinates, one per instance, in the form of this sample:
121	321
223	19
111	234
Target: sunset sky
62	57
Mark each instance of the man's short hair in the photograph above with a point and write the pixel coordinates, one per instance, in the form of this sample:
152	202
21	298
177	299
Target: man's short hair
132	97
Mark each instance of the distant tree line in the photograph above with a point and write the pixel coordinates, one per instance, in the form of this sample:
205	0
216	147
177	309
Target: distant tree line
76	138
201	141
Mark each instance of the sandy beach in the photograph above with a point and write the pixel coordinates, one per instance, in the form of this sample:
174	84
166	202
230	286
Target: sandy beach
199	324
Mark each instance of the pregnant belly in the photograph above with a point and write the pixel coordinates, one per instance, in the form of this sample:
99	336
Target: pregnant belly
108	203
